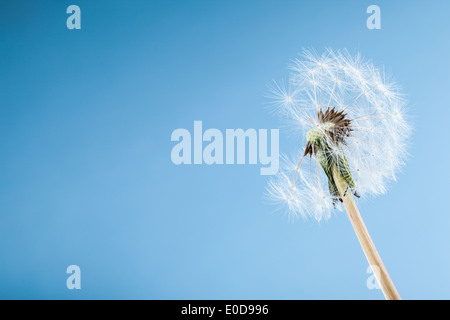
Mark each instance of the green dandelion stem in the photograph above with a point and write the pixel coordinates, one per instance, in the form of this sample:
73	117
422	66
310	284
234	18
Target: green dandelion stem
331	157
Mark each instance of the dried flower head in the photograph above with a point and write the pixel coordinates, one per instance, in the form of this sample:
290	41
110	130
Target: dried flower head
351	118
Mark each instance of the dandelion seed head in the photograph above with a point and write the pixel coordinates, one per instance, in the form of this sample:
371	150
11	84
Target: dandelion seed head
350	106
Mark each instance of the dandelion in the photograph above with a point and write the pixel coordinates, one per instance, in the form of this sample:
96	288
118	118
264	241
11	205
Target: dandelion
354	130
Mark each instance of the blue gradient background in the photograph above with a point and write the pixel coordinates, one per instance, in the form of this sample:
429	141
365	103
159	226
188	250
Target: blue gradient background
86	176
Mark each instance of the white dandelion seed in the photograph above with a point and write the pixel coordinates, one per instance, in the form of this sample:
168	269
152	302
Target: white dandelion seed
354	137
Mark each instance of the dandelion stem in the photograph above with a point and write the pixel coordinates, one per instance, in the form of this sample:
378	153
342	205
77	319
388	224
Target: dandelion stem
381	274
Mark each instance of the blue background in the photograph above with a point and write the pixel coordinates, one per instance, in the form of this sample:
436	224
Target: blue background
86	176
